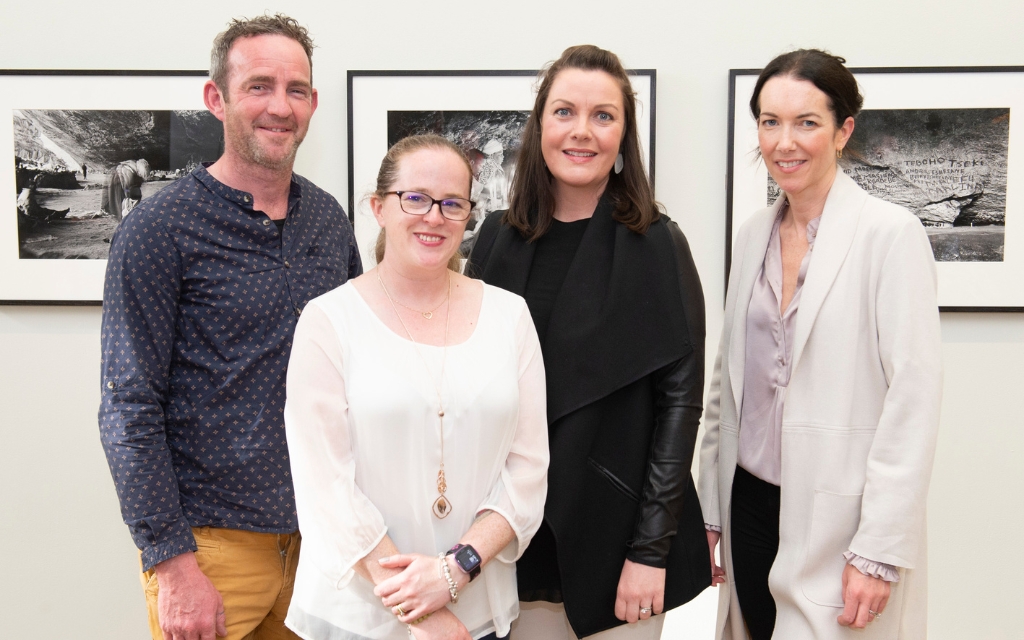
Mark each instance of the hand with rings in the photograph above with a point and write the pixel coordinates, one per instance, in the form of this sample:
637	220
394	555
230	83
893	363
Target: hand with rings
418	590
864	598
641	592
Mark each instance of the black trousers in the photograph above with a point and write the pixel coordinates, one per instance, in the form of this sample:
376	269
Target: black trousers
755	543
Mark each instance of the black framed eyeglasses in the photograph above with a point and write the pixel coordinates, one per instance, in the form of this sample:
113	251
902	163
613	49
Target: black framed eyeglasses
419	204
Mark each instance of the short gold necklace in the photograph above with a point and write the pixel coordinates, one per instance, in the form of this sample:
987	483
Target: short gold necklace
442	506
426	314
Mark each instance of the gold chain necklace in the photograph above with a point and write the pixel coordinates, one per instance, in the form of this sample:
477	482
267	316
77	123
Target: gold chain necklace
442	506
426	314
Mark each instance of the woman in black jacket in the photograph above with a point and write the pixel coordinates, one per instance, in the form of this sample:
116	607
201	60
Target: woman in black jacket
619	310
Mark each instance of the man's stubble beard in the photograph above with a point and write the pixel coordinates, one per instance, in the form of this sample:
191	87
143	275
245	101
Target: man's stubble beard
247	145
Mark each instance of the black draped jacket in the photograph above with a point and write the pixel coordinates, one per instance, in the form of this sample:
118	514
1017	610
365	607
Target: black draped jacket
624	361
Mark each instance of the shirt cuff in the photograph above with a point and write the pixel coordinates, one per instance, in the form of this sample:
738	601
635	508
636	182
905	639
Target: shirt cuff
178	539
713	527
871	568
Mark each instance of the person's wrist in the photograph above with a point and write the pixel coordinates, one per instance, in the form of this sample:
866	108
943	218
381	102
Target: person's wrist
178	564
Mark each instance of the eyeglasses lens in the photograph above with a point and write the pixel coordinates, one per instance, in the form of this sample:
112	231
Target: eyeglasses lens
420	204
456	208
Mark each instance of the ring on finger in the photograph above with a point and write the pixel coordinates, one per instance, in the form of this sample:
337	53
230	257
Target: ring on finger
875	614
645	610
399	611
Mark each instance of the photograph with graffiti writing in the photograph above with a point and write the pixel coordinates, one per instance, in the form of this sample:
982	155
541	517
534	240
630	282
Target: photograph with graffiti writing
947	166
945	144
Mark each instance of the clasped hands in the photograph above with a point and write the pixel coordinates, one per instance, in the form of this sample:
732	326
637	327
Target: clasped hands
422	590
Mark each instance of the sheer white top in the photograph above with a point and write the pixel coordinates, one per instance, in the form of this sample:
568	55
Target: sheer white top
362	426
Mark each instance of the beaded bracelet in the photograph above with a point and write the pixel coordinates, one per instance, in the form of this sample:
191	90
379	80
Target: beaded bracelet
453	590
416	621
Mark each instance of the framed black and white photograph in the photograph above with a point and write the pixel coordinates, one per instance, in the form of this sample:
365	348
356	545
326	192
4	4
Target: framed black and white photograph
938	141
84	148
484	112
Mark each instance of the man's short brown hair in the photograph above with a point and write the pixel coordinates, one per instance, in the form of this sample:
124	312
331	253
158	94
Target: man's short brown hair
277	24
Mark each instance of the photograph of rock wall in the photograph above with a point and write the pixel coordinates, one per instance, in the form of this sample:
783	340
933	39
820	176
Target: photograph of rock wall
490	140
79	172
947	166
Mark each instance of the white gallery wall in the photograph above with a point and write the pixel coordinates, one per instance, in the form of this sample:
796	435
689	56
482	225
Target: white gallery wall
69	568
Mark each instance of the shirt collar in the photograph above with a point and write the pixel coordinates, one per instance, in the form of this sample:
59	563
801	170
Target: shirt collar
241	198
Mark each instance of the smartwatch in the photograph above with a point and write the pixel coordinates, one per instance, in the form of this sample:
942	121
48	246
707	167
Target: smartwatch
467	558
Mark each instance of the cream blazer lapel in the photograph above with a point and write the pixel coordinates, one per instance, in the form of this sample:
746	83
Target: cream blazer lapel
838	226
751	257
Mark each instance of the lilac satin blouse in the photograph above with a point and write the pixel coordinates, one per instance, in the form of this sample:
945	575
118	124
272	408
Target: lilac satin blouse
768	360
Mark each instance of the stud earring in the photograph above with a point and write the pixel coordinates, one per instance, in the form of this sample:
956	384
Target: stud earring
618	163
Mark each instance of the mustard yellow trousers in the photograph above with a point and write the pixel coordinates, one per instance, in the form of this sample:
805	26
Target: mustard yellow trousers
254	573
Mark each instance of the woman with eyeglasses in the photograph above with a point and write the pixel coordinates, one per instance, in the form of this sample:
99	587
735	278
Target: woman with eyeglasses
824	407
416	428
618	306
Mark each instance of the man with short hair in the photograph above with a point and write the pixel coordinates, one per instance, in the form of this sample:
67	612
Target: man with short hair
204	286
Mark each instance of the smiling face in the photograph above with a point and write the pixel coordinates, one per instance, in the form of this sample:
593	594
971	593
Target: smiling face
581	128
269	101
798	136
423	242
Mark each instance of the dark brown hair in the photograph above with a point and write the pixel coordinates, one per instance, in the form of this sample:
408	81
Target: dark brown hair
277	24
388	174
822	69
533	197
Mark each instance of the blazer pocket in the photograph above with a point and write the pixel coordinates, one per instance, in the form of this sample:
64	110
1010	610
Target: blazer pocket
616	483
834	522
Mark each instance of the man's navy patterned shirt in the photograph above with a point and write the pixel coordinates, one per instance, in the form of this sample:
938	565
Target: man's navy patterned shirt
200	302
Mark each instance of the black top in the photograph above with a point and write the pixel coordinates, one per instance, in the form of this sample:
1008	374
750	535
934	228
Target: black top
279	223
554	254
551	261
624	360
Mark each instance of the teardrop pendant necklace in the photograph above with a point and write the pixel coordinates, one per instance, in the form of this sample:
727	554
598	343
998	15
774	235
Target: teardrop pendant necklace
441	507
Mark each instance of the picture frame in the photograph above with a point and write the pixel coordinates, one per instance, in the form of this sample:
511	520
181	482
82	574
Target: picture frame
63	134
481	110
953	157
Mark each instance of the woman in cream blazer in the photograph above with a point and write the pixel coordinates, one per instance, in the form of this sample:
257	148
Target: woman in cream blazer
859	421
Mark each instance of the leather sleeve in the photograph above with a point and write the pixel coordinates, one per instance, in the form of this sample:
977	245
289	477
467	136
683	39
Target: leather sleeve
678	392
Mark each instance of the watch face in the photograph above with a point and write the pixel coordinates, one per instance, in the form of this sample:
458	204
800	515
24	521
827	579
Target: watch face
467	558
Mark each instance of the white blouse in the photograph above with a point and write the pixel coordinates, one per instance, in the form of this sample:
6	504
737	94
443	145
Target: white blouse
362	427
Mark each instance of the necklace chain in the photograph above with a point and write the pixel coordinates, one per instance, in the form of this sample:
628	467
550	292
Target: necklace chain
426	314
442	506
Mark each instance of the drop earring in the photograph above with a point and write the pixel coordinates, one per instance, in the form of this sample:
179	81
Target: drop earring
618	163
839	153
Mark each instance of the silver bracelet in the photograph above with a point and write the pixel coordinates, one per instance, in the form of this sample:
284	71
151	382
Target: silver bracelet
453	590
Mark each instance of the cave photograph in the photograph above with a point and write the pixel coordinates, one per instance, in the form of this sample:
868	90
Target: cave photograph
79	172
